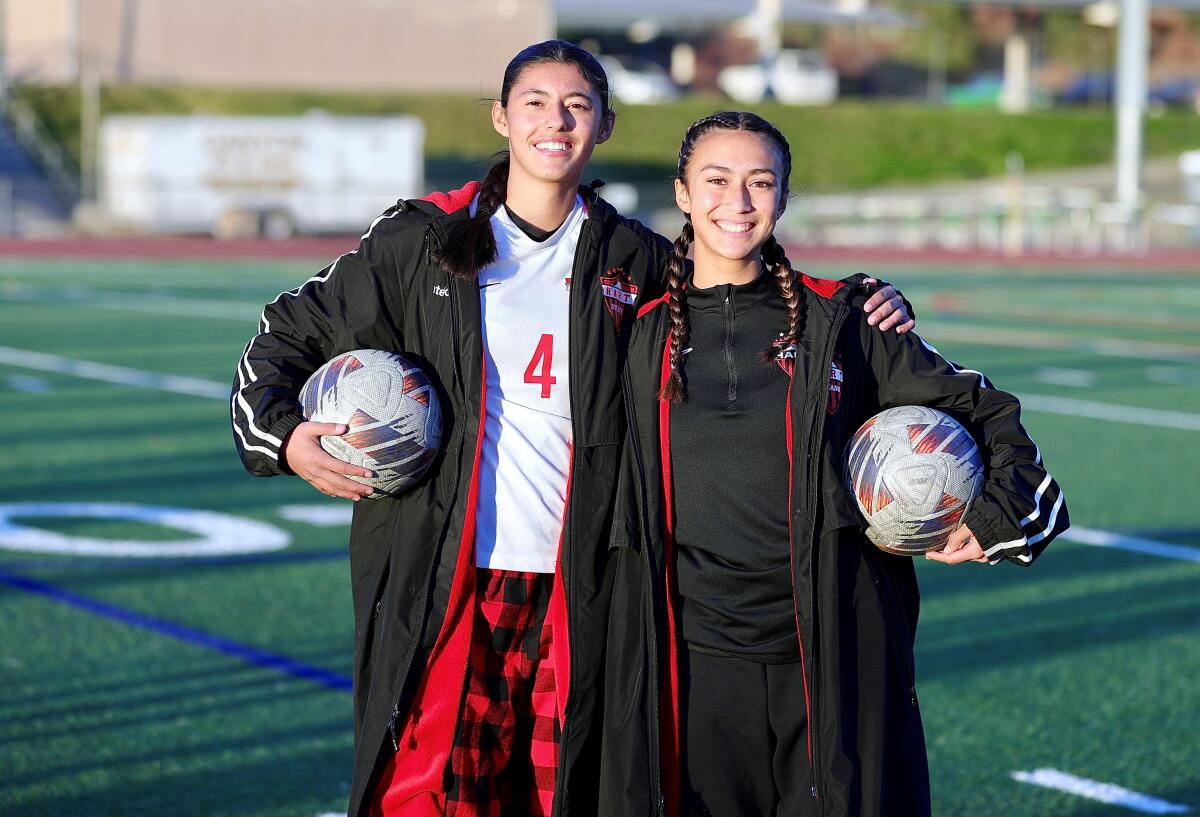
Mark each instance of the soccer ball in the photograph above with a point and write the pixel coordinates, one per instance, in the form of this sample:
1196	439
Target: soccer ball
914	472
391	408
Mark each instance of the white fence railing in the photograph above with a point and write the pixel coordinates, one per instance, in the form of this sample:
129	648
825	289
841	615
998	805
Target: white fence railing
1009	220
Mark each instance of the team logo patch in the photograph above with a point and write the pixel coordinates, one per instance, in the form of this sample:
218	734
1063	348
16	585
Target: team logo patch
837	378
620	293
785	356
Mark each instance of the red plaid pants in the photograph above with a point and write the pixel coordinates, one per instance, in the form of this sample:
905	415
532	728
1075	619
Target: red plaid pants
505	751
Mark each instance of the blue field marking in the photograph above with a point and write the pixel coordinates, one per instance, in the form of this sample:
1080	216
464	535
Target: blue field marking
251	655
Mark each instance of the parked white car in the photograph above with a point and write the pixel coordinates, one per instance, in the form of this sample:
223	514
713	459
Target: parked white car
636	81
796	78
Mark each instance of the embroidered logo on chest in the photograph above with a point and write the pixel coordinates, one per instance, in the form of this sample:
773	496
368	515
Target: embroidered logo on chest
620	293
837	378
785	356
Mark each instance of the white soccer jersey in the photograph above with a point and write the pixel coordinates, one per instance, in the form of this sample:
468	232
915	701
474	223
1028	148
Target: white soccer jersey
526	455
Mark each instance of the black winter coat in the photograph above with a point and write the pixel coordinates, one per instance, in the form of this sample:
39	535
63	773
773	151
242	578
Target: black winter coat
412	578
855	606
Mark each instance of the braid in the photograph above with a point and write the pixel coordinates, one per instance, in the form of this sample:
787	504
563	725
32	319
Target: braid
473	246
494	189
672	390
785	280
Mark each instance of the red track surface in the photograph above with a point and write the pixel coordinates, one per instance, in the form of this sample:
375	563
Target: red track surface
329	247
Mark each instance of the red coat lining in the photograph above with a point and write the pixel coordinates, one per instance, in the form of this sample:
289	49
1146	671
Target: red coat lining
412	784
455	199
669	742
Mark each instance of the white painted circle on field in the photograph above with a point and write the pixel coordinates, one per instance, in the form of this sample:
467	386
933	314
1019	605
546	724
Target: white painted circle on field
218	534
326	516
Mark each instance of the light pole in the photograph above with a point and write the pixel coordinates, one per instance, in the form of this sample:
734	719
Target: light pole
767	19
1133	54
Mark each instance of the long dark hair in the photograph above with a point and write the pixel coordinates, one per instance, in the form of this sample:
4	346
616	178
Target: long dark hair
772	252
473	246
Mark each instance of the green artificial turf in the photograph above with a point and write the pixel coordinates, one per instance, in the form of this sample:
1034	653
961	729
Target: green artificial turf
1085	662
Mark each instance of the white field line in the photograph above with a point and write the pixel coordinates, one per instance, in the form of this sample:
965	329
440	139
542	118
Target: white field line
1113	412
1095	790
327	516
179	384
216	534
131	302
1032	339
1119	541
1074	378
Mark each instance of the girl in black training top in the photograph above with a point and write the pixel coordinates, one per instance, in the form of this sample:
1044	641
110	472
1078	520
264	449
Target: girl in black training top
784	654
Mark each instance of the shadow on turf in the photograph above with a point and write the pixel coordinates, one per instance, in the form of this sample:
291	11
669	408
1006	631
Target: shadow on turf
330	730
211	482
99	717
53	705
286	781
213	487
1061	560
1055	622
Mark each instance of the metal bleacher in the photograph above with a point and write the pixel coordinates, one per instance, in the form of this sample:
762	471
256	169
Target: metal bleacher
31	202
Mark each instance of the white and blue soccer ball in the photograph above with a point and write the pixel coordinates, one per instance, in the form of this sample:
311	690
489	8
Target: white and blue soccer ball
392	411
914	472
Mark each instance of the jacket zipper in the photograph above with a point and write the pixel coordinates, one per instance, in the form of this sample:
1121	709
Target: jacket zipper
648	589
581	248
811	463
431	233
731	391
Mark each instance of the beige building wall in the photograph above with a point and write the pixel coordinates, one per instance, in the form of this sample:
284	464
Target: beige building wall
404	45
38	36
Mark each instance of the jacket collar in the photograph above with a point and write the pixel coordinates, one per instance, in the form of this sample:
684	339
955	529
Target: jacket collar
741	296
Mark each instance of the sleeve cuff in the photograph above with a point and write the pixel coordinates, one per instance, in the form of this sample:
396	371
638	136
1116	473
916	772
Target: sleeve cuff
282	428
988	533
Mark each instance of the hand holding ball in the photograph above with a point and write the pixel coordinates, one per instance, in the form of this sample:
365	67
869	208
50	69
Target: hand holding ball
392	412
914	472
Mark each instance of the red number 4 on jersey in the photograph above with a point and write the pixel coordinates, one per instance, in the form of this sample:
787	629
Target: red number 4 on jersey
543	355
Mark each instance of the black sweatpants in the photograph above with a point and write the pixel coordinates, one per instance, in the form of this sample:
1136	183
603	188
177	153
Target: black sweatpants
745	744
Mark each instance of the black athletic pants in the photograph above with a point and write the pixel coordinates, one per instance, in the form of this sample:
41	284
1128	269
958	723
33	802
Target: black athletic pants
745	744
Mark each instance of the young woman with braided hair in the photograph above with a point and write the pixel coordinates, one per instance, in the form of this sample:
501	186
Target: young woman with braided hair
778	675
480	595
